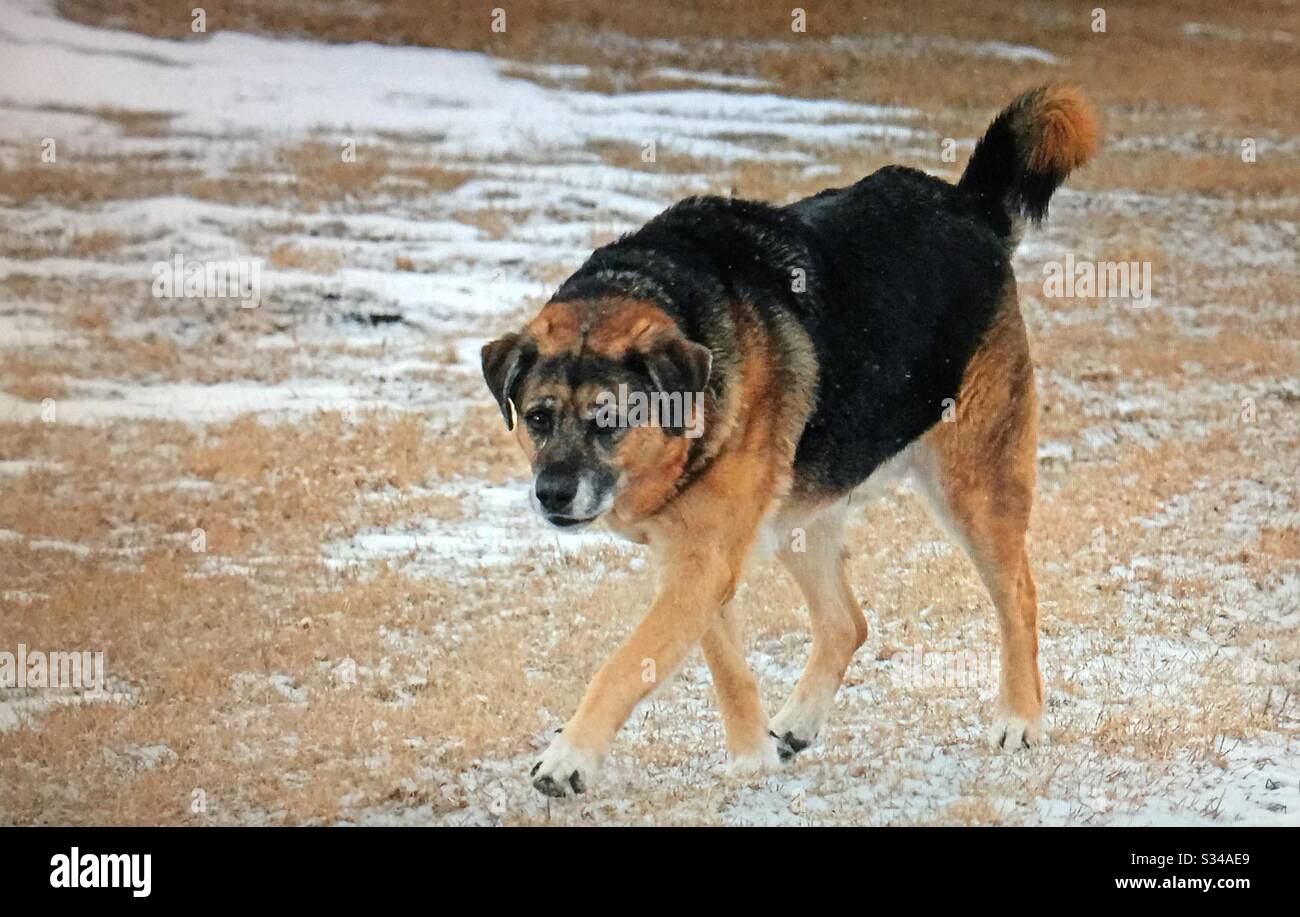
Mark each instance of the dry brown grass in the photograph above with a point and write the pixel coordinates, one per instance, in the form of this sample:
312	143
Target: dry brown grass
1163	172
310	174
74	182
289	485
1161	349
631	155
273	481
66	245
95	243
384	451
91	317
315	259
31	380
180	649
434	177
169	636
321	171
315	174
147	357
36	388
1280	542
495	222
1143	54
132	122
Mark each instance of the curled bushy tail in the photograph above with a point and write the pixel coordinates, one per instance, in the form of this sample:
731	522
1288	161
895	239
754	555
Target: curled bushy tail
1028	151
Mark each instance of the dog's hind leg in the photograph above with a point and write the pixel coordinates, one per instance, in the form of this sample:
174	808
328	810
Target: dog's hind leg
815	558
749	743
977	473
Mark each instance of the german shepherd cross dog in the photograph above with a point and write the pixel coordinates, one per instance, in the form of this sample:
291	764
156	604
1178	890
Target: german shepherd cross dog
813	351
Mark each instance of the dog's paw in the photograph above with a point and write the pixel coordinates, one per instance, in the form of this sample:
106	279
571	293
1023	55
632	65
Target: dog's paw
764	760
564	769
794	730
1010	733
788	744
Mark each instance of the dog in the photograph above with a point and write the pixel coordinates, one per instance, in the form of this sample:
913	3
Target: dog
819	350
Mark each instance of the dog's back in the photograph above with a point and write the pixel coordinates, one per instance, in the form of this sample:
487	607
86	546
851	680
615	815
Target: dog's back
895	279
913	274
909	277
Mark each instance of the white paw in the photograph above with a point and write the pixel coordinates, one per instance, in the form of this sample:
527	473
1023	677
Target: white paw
757	763
564	769
1010	733
794	729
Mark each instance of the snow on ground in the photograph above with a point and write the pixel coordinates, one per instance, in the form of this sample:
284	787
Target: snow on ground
504	531
238	84
1130	652
235	92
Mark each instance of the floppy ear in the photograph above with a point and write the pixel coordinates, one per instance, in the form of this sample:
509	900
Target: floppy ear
505	361
679	365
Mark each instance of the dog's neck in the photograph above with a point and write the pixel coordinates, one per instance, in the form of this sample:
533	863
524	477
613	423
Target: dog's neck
749	375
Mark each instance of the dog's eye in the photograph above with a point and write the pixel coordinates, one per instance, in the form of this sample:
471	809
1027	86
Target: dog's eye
539	422
604	431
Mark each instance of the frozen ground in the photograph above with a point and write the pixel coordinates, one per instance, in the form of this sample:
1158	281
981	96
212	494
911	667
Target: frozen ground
375	630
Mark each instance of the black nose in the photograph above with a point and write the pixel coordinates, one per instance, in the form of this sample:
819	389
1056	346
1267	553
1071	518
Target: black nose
556	488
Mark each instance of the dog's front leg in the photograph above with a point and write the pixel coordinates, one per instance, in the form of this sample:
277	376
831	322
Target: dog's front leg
694	585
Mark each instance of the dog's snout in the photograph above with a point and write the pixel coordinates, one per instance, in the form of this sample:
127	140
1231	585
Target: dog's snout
556	487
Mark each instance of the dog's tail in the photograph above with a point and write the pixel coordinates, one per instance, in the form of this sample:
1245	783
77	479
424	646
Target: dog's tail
1027	152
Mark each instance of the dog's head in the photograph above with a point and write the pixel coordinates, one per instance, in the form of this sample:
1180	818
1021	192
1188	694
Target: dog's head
579	385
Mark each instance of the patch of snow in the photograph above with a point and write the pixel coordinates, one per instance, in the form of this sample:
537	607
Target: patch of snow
96	401
704	77
498	528
238	84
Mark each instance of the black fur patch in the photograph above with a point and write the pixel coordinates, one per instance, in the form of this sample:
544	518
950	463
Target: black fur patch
911	275
899	277
999	175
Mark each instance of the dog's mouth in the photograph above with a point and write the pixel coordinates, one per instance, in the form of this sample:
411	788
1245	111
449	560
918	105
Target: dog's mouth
570	522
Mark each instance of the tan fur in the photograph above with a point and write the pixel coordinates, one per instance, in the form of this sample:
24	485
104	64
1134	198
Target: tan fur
611	328
735	686
635	325
557	328
1068	131
701	539
978	472
653	465
838	625
982	478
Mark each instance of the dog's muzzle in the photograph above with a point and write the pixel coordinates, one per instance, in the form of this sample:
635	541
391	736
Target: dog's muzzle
568	496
